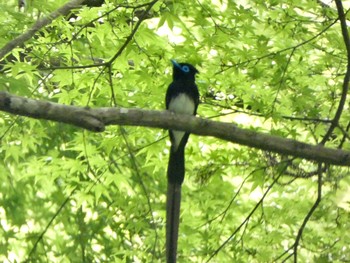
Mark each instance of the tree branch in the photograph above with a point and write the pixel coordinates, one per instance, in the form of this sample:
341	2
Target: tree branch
309	214
96	120
345	88
63	10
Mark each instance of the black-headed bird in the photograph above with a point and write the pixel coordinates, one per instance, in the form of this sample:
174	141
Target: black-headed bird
182	97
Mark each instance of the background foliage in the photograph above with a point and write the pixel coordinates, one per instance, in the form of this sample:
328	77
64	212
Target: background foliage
272	66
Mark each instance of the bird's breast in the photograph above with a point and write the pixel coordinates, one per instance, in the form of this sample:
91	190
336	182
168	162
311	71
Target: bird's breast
182	104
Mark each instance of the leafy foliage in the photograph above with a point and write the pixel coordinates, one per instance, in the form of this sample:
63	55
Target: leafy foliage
272	66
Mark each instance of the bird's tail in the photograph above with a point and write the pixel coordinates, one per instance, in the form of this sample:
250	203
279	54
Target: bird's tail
172	220
176	172
176	165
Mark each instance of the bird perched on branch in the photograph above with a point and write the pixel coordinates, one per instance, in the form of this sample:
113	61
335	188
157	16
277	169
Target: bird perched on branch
182	97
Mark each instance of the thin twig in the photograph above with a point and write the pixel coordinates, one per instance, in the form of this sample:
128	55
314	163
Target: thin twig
282	78
133	32
223	213
18	41
48	225
248	217
279	51
143	186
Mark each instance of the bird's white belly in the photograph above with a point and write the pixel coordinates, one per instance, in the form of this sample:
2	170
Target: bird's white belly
181	104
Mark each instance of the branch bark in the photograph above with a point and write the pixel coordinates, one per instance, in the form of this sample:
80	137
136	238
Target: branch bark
96	120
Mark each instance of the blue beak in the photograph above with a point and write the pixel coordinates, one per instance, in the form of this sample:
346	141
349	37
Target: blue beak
175	63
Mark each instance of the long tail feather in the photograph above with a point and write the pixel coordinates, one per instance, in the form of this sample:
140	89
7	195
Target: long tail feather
176	173
172	220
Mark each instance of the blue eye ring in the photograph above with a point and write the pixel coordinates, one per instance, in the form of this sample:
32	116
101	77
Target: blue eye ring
185	69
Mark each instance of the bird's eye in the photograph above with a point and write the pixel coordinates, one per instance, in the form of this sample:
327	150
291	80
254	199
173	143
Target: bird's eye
185	69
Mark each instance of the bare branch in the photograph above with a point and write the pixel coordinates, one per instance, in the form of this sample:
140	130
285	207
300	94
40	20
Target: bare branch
294	247
63	10
344	30
96	120
309	214
78	116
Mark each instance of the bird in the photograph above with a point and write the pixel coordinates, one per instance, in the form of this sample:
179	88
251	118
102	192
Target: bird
182	97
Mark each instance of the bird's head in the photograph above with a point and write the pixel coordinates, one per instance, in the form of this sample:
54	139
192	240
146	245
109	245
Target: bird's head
183	70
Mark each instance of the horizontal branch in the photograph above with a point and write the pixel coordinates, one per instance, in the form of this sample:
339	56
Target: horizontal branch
97	119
